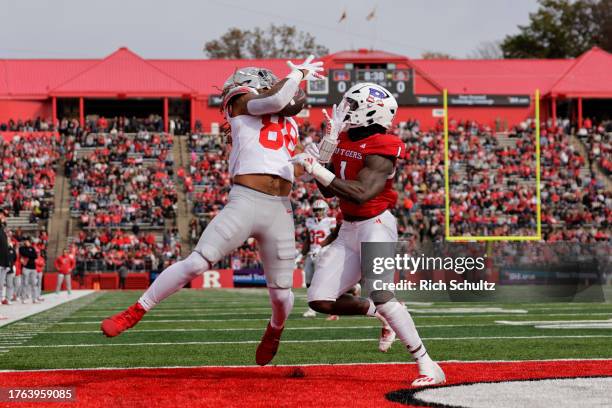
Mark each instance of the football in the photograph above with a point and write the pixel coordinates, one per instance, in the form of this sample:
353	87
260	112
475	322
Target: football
295	105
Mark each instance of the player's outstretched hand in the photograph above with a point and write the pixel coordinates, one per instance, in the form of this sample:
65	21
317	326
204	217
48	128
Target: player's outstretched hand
336	123
334	126
312	149
311	70
306	160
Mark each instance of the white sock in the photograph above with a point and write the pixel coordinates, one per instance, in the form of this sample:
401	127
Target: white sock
372	309
282	303
401	322
172	279
382	320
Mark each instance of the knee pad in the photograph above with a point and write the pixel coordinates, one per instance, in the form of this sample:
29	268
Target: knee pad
280	296
195	264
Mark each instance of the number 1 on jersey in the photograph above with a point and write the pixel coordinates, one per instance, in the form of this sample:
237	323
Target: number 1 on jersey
342	169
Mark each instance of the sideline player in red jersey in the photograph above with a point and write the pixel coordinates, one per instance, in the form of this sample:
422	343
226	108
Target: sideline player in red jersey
362	170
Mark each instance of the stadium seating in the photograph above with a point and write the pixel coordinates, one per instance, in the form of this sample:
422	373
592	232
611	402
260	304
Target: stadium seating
123	195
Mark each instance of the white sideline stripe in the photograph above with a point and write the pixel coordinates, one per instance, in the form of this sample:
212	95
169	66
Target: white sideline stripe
299	365
259	329
18	311
444	316
198	343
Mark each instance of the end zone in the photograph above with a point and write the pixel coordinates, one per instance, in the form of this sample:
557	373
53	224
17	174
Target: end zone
343	385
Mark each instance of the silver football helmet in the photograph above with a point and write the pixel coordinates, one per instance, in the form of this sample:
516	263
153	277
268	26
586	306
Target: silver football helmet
253	77
245	80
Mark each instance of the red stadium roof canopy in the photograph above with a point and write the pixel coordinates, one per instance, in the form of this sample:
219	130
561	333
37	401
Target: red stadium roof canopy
508	77
125	74
589	76
122	73
207	76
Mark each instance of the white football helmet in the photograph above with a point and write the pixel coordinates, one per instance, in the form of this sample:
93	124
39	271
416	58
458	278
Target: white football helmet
369	104
320	208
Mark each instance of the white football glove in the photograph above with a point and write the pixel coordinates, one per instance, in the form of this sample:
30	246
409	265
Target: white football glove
315	252
312	149
306	160
313	69
312	166
334	126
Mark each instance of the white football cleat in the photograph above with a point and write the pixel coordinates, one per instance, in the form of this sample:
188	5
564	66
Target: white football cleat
432	374
387	337
310	313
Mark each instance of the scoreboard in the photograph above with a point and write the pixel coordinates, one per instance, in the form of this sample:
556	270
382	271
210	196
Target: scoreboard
400	82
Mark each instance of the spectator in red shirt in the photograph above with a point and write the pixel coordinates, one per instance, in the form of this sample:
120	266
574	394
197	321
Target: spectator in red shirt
64	264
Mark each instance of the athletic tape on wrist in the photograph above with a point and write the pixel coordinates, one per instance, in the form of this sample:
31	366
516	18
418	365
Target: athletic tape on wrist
322	175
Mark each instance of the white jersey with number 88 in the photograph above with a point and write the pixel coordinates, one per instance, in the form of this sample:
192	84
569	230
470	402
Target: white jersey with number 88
263	145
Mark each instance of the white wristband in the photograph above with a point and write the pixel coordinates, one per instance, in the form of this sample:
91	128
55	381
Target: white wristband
322	175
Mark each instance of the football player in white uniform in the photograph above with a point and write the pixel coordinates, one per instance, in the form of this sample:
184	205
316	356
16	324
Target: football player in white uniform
264	139
319	228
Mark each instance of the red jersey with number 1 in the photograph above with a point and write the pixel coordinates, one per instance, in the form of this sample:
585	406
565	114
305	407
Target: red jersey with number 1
348	160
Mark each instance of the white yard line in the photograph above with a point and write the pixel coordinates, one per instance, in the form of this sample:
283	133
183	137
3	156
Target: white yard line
259	329
444	316
200	343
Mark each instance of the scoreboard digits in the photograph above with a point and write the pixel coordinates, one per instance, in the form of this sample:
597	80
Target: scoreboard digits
400	82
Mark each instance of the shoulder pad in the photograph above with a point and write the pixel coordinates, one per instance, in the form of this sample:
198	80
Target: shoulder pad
239	90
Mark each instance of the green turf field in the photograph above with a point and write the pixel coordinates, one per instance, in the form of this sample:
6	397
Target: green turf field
223	327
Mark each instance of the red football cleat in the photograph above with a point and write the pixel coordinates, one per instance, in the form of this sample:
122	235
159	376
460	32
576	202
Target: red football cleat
268	346
117	324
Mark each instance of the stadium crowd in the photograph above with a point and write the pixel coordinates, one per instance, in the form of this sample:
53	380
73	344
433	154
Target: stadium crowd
598	140
122	184
29	125
492	182
125	182
28	176
107	249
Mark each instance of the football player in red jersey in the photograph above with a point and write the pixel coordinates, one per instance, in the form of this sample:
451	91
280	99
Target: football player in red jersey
362	167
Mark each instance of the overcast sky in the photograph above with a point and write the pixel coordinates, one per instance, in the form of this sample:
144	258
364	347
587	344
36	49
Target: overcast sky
179	28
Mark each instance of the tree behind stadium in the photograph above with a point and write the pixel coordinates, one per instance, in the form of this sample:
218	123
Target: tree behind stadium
562	29
274	42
